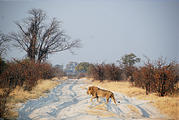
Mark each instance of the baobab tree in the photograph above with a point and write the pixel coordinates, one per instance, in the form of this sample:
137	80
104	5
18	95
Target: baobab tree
39	39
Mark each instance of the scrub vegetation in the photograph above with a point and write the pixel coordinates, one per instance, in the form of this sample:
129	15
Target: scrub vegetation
155	81
23	79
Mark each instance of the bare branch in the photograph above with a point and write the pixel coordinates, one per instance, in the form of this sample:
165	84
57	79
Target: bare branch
40	40
3	43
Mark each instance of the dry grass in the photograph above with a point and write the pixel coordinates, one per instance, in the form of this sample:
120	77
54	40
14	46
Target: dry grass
18	95
168	105
43	86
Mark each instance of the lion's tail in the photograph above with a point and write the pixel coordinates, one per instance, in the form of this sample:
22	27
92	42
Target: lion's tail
112	97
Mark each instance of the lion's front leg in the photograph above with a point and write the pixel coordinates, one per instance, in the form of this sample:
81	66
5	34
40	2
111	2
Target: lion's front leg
92	98
97	99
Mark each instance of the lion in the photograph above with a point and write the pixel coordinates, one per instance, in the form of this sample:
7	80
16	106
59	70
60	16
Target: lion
97	92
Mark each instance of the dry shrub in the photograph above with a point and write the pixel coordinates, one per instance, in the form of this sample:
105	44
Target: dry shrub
138	79
129	70
112	72
105	72
20	73
47	71
23	73
97	72
159	77
166	78
144	77
26	73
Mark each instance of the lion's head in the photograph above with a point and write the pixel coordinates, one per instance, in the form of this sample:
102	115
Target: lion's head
91	90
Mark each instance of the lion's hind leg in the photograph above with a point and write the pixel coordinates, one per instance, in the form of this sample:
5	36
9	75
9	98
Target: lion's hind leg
112	97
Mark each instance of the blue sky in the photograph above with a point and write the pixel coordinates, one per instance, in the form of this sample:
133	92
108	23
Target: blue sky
108	29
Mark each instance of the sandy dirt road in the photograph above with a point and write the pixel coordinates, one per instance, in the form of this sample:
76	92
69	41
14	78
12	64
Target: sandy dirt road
69	101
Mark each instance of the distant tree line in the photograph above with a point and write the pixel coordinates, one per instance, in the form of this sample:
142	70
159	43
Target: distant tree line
158	77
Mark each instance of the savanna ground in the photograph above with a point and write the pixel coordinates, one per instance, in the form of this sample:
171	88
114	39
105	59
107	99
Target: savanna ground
71	96
68	100
168	105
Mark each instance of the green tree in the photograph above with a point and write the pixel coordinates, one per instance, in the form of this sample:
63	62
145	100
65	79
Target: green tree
82	67
127	63
129	60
